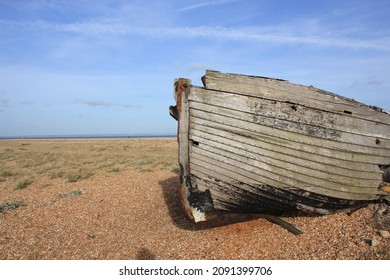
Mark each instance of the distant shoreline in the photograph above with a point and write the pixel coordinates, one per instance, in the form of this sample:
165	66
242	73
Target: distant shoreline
86	137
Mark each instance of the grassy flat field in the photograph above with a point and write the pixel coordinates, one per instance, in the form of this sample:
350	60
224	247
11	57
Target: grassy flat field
22	161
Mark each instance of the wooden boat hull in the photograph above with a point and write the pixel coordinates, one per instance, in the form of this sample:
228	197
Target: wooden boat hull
260	145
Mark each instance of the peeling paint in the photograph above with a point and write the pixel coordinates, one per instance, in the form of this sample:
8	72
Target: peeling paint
196	204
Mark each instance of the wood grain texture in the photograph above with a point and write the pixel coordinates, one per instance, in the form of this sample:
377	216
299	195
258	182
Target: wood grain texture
261	144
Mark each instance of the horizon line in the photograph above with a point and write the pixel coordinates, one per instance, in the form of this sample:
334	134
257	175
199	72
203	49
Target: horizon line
85	136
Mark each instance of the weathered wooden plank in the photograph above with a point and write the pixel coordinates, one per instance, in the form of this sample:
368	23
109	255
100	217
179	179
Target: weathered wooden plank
234	196
299	158
279	168
182	89
270	148
286	136
244	153
225	180
288	116
288	176
309	130
223	171
242	197
284	91
220	175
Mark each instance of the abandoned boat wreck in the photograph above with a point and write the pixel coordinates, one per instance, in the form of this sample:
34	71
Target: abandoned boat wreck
261	145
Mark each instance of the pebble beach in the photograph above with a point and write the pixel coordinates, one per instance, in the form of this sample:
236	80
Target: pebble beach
135	213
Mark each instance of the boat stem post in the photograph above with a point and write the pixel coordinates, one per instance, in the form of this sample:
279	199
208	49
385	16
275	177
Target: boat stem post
182	90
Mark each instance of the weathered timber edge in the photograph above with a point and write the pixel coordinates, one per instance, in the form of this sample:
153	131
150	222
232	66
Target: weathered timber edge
195	203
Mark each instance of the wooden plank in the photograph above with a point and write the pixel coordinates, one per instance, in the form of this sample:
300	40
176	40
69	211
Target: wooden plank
243	196
287	137
309	130
234	195
359	162
223	171
229	190
280	168
284	91
257	149
270	147
214	144
285	115
283	176
182	89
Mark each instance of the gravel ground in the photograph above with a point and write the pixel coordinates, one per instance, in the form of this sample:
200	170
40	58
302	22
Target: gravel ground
135	215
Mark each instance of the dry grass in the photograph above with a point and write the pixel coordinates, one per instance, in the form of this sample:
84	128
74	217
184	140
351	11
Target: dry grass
75	160
4	206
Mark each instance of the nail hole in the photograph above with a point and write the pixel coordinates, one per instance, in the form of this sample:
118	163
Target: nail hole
348	112
195	143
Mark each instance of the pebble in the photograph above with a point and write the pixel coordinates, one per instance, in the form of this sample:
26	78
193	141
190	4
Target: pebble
384	234
374	242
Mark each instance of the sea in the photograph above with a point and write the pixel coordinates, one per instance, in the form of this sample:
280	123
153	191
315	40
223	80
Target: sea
90	136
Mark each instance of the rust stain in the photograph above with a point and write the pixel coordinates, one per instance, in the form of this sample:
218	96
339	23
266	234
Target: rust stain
386	188
179	90
180	87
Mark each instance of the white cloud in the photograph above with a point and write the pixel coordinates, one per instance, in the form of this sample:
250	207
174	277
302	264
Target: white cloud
279	35
98	103
366	82
106	104
195	67
206	4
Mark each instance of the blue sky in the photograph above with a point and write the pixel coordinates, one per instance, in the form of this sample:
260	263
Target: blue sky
108	66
